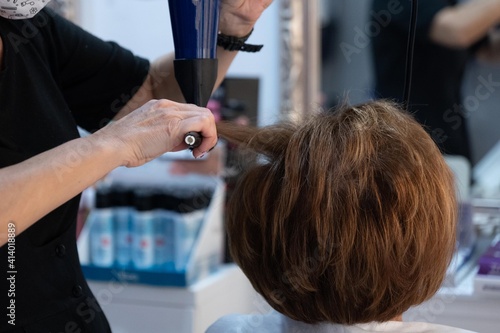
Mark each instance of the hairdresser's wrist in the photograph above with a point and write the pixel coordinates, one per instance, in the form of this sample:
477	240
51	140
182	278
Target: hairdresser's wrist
236	24
110	144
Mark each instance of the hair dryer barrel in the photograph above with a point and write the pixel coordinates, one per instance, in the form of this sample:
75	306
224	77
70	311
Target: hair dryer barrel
195	26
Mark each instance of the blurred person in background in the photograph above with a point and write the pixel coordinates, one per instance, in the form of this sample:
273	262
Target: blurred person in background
448	33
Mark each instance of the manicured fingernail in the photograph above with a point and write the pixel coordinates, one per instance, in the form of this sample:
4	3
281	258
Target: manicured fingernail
201	155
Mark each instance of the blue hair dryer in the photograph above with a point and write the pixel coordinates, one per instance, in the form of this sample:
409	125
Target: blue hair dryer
195	26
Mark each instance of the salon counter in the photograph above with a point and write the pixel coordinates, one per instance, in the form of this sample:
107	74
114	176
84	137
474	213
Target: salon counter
136	308
460	307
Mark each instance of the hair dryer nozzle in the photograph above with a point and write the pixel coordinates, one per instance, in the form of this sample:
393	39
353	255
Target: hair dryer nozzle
196	78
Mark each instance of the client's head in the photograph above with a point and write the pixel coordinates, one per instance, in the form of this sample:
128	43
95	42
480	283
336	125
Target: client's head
349	217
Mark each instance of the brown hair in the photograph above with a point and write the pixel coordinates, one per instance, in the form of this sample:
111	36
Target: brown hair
349	218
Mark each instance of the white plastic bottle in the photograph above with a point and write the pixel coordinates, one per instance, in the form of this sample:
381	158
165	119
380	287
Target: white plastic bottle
101	230
122	219
143	231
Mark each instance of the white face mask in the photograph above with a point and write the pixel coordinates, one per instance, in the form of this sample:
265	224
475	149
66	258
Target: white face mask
21	9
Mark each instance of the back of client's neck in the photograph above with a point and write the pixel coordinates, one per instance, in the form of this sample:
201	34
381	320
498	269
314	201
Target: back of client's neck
398	318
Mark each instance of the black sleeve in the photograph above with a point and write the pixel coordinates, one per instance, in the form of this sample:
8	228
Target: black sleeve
400	14
97	78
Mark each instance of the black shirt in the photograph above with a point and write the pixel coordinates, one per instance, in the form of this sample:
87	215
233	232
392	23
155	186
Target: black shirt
54	77
437	73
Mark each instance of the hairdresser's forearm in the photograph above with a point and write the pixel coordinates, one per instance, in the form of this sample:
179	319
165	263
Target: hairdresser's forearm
31	189
462	25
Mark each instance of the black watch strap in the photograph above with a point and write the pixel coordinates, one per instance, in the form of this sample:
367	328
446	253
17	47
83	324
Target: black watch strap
232	43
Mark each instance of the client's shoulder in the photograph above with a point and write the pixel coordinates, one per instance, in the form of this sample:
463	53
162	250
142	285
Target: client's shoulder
247	323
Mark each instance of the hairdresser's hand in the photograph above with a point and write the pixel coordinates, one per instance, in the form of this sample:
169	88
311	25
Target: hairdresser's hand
157	127
237	17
